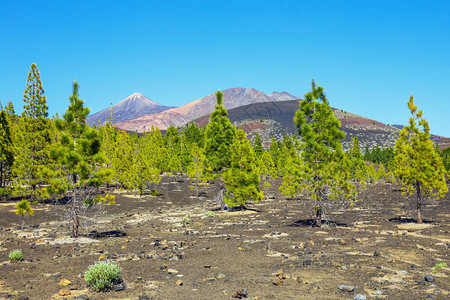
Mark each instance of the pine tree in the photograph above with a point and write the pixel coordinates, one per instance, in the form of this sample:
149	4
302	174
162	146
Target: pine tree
6	154
219	136
196	168
274	151
322	152
242	178
109	139
172	140
258	148
445	154
33	140
191	135
79	153
417	164
357	166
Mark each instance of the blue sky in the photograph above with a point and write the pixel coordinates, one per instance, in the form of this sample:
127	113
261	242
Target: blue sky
369	55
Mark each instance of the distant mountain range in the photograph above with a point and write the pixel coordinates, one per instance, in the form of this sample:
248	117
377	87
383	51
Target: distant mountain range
269	115
182	115
130	108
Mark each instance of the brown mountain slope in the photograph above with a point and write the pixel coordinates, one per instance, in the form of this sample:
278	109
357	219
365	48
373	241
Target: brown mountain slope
179	116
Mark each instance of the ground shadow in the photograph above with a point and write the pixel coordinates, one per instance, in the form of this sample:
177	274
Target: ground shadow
312	223
112	233
407	220
236	208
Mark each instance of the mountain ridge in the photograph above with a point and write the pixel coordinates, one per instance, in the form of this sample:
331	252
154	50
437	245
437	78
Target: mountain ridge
129	108
179	116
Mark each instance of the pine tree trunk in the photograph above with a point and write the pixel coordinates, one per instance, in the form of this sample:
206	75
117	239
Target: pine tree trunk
318	217
74	214
222	202
419	204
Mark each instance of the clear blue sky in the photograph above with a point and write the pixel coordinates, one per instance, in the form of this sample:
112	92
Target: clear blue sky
369	55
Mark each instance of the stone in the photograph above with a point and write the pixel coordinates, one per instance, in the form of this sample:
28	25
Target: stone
421	283
277	281
360	297
64	282
240	294
403	272
342	242
172	271
429	278
81	297
299	279
376	253
347	288
64	293
56	275
119	287
307	261
179	282
308	251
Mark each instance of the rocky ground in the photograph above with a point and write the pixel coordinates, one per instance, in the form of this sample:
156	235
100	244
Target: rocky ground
269	251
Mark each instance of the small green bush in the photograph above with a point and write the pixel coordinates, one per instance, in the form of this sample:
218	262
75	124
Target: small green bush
103	275
16	255
154	193
441	265
186	220
209	214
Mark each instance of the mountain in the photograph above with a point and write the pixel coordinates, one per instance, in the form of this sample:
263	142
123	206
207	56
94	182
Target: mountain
130	108
275	119
443	142
180	116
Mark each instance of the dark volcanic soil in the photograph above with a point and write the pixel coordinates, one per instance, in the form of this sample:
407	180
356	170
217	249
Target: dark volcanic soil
270	249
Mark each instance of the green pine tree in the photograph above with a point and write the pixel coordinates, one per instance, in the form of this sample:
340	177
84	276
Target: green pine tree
195	169
258	148
33	141
219	136
445	154
6	154
274	151
356	165
80	156
242	177
322	154
172	140
417	164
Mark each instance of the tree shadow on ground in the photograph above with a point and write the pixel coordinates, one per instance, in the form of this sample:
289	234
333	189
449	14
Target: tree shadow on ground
312	223
111	233
236	208
407	220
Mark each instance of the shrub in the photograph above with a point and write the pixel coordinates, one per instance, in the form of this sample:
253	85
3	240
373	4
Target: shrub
103	275
186	220
209	214
16	255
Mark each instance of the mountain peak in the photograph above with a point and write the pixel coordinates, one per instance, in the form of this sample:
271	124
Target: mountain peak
132	107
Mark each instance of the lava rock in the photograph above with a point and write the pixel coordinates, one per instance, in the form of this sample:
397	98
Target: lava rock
307	261
429	278
240	294
347	288
119	287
